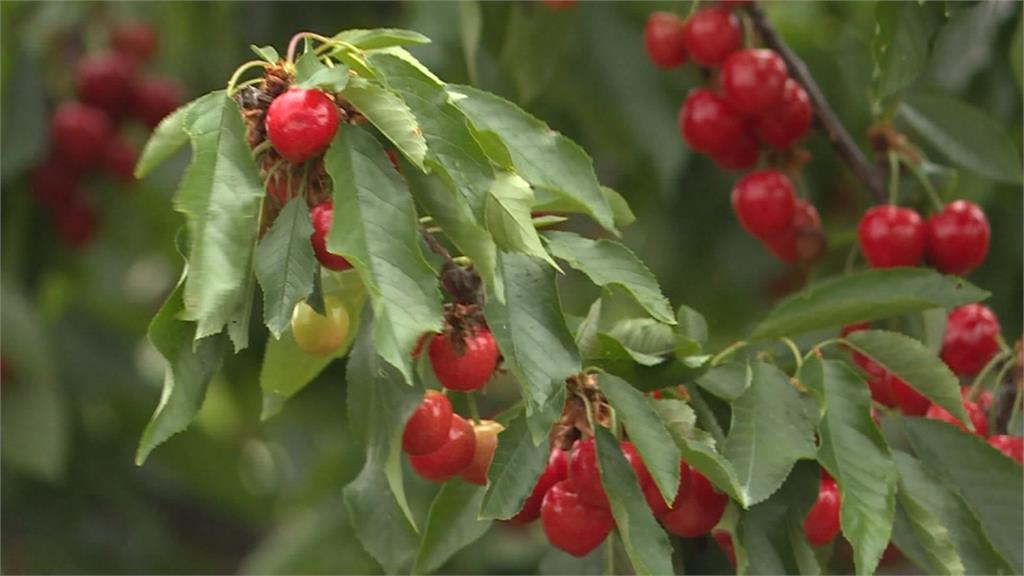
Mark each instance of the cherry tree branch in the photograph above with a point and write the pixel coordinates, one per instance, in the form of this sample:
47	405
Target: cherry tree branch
844	145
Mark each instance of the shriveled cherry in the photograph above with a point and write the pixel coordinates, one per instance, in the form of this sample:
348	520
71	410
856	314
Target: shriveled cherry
427	428
119	159
957	238
1012	446
698	512
707	123
763	202
466	369
572	525
452	457
322	216
320	334
301	123
971	339
663	40
155	98
821	524
788	121
79	133
753	81
710	35
106	81
556	470
891	236
486	443
136	39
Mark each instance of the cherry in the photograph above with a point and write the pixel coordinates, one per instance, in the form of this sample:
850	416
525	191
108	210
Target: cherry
79	133
277	186
707	123
155	98
974	412
301	123
741	155
910	401
1012	446
957	238
75	223
556	470
787	122
653	496
572	525
763	202
322	215
851	328
724	540
585	474
316	334
822	521
452	457
119	159
710	35
136	39
803	240
891	236
753	81
698	511
106	81
971	339
427	428
467	369
663	40
53	184
486	443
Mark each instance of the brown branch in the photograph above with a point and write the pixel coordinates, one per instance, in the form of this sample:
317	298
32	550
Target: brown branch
841	140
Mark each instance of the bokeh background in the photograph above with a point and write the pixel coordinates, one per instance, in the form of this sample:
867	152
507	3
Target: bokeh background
233	494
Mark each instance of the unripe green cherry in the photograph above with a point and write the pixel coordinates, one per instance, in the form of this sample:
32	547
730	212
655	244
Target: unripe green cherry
317	334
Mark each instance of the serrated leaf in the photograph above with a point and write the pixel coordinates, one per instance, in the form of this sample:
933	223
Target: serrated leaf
389	114
905	538
903	35
328	79
771	533
384	530
622	214
285	265
646	543
452	524
306	66
692	326
267	53
610	350
913	363
507	214
371	39
375	228
773	426
864	297
728	381
517	464
168	137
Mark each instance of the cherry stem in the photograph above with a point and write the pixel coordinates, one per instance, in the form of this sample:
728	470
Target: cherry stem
933	195
978	386
727	352
894	178
241	70
1011	422
609	557
795	350
828	122
293	44
474	413
260	148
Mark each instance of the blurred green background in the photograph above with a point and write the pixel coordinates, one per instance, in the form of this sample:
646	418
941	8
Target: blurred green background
234	494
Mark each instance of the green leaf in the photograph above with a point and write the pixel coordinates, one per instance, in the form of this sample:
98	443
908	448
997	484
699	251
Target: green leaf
608	263
533	52
622	214
375	228
507	212
328	79
307	65
168	137
610	351
267	53
1016	57
692	326
452	524
913	363
856	455
383	528
728	381
285	265
771	533
903	35
986	480
965	135
376	38
866	296
389	114
646	543
772	427
545	158
24	117
517	464
905	538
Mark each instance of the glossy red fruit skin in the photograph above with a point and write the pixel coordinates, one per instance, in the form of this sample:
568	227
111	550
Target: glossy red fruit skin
741	155
821	524
708	125
472	369
322	215
763	202
710	35
971	339
891	236
724	541
698	512
79	133
155	98
753	81
570	524
119	159
452	457
663	40
957	238
556	471
136	39
1012	446
106	81
300	123
974	412
787	123
53	184
653	496
802	241
585	475
75	223
427	428
910	401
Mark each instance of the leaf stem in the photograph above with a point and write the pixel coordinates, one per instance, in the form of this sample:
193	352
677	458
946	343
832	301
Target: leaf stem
894	177
795	350
241	70
609	555
727	352
933	195
1011	423
474	412
978	386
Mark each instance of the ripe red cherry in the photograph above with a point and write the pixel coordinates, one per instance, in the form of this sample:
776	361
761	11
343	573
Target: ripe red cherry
787	122
75	223
698	512
763	202
155	98
711	35
79	133
486	443
725	543
971	339
53	184
753	81
822	521
301	123
136	39
119	159
910	401
663	40
466	371
585	475
741	155
452	457
1012	446
653	496
957	238
803	240
707	123
556	471
572	525
322	215
974	412
891	236
427	428
106	81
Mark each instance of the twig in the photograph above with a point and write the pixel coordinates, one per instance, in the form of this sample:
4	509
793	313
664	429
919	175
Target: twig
436	246
841	140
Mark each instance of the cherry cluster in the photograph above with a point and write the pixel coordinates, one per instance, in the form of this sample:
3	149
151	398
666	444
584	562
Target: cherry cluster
84	132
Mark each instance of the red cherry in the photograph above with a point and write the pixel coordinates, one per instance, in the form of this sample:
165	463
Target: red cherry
707	123
741	155
53	184
106	81
427	428
891	236
322	215
663	40
585	475
803	241
155	98
971	339
570	524
466	371
119	159
724	540
556	471
486	443
79	133
763	202
75	223
698	512
910	401
787	122
822	521
974	412
278	188
1012	446
711	35
393	158
136	39
653	496
301	123
753	81
452	457
957	238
